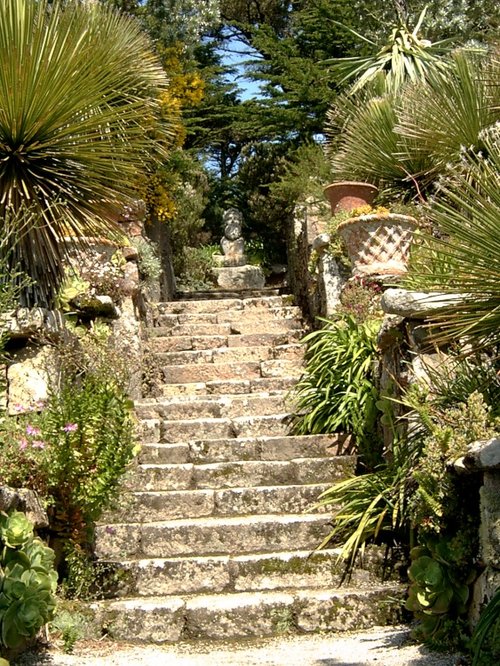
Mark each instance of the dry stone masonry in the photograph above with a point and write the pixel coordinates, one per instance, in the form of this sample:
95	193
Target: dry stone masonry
212	539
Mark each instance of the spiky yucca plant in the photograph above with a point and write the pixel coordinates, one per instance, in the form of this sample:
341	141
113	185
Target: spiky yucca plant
402	143
404	57
440	120
78	97
465	258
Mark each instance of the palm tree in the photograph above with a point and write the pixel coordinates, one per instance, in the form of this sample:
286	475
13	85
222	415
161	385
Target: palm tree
79	90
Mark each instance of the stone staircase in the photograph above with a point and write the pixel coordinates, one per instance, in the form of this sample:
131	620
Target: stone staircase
211	540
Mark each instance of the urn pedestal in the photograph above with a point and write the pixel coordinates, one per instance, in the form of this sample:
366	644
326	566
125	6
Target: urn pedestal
378	244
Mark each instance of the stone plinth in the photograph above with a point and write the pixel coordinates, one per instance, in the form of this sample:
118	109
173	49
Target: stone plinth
229	261
239	277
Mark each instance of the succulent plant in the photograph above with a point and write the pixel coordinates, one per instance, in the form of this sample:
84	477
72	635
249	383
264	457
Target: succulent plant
27	582
15	529
436	590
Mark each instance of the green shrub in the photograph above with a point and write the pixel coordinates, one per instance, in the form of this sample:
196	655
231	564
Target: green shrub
444	507
197	266
75	450
337	392
27	582
148	262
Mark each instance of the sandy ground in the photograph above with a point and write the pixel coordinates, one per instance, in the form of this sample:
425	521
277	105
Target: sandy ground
382	647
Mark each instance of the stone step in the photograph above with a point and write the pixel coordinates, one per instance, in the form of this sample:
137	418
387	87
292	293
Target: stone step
223	428
193	342
156	506
171	326
224	304
249	614
270	385
240	321
241	474
224	293
241	573
231	355
225	406
204	451
210	536
246	370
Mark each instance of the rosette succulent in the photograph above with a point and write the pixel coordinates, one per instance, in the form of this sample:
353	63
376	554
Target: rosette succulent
27	582
15	529
437	591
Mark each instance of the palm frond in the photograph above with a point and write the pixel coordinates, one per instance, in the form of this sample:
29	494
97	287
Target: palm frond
79	90
467	214
439	121
404	57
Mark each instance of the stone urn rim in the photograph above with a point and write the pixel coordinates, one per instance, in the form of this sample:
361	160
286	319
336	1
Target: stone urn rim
372	217
345	195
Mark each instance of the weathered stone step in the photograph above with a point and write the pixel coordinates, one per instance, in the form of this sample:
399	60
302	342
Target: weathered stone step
246	370
157	506
245	448
193	342
223	304
182	325
225	406
270	385
242	573
224	293
231	355
248	614
211	536
241	474
240	321
224	428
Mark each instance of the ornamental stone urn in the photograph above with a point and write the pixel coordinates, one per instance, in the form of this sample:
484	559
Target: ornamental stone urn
347	195
378	243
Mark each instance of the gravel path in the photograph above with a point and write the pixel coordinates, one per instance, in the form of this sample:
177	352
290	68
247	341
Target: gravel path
383	647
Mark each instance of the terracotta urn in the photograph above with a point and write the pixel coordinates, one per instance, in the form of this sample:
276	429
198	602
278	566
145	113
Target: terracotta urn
347	195
379	243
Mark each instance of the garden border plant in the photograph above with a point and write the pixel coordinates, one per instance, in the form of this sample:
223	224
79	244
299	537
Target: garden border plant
74	449
28	583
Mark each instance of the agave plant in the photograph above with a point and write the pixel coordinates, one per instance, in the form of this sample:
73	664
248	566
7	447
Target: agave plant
437	591
78	97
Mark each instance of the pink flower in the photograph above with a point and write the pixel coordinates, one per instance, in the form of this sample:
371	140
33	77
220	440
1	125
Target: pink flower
23	443
31	430
38	444
70	427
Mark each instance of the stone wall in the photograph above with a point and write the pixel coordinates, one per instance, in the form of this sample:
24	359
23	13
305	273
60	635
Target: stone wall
407	354
22	499
314	275
483	458
31	333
